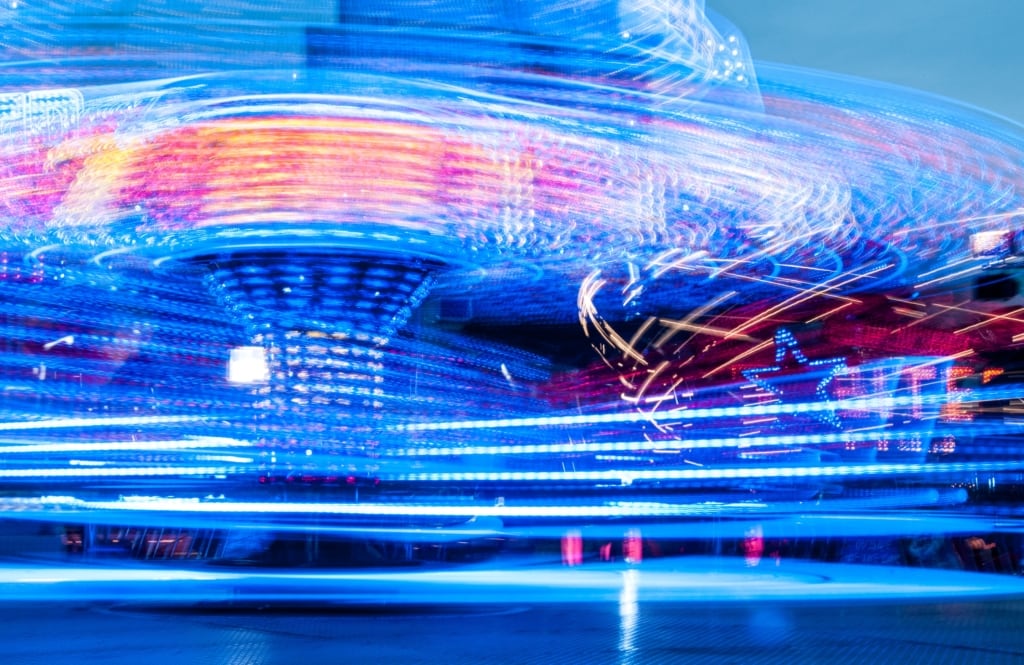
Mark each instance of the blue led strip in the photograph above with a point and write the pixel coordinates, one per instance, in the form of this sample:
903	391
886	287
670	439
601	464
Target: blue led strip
881	403
831	509
76	423
788	440
74	473
628	476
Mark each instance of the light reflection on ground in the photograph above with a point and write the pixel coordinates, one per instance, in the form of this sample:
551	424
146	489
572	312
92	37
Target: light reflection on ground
691	579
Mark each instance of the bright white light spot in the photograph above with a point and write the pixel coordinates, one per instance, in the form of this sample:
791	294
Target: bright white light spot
248	365
67	339
508	375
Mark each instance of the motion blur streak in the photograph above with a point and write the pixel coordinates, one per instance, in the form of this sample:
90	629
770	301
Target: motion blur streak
402	283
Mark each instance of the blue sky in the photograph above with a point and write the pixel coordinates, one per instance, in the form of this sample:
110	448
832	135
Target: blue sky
969	50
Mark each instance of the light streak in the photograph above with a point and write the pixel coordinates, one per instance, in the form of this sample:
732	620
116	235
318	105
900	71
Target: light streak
850	435
878	403
117	472
626	477
75	423
992	318
31	448
540	583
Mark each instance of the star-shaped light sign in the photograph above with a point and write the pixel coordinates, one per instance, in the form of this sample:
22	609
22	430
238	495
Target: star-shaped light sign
796	380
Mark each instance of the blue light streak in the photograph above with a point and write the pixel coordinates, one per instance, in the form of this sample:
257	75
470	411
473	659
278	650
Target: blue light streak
880	403
670	446
628	476
32	448
532	584
78	423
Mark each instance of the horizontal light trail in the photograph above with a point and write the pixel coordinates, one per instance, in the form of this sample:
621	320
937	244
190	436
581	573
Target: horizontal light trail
870	404
894	515
628	476
620	476
117	472
690	579
156	506
247	514
113	421
893	436
100	447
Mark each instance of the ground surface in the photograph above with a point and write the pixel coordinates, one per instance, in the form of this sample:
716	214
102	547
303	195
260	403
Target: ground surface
694	613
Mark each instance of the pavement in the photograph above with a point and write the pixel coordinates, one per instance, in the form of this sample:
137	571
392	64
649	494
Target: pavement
525	610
